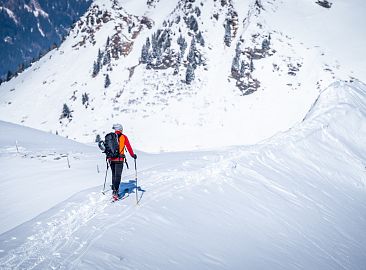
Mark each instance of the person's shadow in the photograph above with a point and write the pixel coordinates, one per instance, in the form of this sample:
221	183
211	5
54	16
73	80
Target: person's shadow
125	189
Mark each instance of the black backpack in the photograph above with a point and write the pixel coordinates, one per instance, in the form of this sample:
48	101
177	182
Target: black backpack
111	145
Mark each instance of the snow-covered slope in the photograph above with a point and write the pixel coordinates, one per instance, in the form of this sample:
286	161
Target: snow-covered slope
296	201
159	110
35	173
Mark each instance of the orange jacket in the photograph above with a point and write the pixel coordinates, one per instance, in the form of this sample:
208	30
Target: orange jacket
123	142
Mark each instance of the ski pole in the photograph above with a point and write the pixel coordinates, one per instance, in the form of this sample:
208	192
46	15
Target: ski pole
105	178
137	201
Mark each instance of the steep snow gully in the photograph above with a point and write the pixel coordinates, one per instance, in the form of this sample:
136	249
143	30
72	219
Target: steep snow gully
295	201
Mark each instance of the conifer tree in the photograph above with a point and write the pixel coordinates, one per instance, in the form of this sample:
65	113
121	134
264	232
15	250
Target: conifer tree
200	39
84	99
107	81
251	66
154	45
66	112
177	64
189	74
265	44
106	58
100	56
144	54
95	69
192	53
148	43
227	37
235	66
237	50
182	45
192	23
148	61
167	43
197	11
242	68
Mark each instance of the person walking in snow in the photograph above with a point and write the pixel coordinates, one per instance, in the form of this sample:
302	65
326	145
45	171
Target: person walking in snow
117	163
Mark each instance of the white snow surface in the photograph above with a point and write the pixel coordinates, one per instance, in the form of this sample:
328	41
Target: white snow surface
271	180
294	201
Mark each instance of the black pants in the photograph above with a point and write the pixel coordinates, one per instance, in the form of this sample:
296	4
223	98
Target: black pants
117	168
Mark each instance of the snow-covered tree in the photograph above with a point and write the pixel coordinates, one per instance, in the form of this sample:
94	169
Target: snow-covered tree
148	61
189	74
237	50
235	67
182	45
145	51
154	45
200	39
144	54
177	64
66	112
197	11
85	99
147	43
95	69
107	81
100	56
251	66
106	58
192	53
180	40
265	44
167	43
227	37
242	68
192	23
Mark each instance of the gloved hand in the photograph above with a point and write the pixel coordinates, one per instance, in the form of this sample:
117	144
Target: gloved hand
134	156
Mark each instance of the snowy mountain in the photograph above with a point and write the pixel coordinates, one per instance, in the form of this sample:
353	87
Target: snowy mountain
273	90
221	72
30	28
295	201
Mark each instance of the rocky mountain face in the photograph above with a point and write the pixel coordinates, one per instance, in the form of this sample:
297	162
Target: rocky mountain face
30	28
168	69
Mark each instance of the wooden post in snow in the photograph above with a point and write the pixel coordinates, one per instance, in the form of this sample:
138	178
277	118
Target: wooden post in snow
68	161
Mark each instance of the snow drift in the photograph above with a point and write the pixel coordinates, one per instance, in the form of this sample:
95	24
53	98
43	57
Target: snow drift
295	201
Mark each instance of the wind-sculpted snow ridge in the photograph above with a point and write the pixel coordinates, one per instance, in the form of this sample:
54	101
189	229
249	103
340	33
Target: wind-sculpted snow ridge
295	201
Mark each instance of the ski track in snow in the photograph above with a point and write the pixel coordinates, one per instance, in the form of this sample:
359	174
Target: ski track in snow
55	242
54	233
